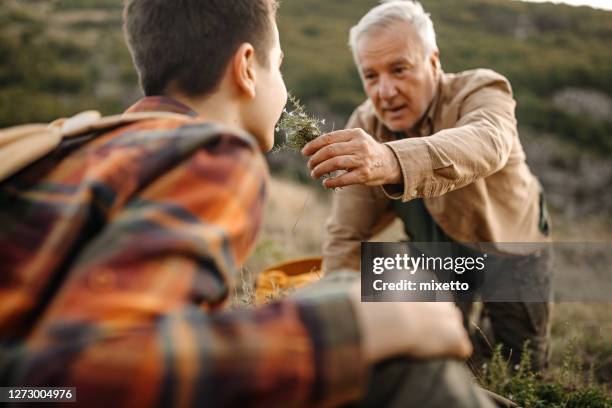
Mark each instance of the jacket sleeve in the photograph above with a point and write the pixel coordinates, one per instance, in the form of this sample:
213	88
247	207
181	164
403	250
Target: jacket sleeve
357	213
138	321
476	147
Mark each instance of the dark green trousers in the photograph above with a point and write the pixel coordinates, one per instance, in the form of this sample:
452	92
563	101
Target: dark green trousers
511	324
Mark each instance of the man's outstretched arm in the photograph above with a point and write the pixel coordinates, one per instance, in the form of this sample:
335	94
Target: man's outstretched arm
423	167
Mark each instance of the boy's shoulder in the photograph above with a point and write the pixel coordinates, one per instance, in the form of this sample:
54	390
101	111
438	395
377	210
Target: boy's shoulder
165	135
148	149
129	157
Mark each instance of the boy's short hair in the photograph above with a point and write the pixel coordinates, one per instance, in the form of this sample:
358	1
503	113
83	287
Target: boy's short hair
189	43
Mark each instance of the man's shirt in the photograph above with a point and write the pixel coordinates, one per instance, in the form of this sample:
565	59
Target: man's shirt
464	159
118	254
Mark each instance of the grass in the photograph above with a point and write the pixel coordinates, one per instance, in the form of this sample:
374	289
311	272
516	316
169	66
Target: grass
566	386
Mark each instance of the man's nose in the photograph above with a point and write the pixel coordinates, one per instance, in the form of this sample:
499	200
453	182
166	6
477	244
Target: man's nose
387	88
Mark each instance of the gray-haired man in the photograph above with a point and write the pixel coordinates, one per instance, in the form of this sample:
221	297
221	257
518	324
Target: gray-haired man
441	152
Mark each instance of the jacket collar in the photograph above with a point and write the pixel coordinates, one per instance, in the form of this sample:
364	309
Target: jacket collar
161	104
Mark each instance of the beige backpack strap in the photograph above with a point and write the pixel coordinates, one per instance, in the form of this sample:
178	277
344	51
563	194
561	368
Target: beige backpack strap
22	145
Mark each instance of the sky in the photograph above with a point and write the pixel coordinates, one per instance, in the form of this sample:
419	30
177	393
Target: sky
600	4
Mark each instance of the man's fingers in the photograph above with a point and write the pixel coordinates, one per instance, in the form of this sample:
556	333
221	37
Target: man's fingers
329	152
327	139
346	179
334	164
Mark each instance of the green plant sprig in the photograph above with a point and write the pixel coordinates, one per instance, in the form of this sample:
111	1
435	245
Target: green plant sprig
299	127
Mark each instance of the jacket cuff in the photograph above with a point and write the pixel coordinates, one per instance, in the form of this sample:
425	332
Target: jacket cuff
340	370
416	164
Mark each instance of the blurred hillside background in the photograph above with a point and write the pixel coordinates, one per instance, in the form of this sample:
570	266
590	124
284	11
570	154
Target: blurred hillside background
59	57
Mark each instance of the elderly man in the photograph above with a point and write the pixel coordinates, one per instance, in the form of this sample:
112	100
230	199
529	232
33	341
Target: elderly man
441	152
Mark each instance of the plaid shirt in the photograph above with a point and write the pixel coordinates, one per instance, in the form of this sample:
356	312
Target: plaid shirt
118	254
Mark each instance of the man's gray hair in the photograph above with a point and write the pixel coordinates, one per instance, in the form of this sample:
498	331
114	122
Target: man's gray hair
390	11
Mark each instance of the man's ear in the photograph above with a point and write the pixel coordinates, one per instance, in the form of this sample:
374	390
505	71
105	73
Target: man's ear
434	60
243	69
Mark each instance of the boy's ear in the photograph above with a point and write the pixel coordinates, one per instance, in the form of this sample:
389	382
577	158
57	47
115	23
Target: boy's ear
243	69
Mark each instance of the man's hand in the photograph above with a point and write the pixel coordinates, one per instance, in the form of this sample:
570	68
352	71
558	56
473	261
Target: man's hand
419	330
366	161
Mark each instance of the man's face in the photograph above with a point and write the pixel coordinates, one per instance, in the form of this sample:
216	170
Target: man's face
271	96
397	78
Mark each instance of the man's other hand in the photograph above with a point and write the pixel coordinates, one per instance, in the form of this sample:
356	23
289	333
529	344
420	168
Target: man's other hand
365	160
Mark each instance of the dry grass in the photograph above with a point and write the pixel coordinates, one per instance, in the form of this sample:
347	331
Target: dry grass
293	226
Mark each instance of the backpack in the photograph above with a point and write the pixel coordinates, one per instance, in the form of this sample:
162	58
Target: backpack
23	145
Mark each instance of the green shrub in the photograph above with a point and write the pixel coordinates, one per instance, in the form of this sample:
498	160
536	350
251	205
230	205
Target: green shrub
567	388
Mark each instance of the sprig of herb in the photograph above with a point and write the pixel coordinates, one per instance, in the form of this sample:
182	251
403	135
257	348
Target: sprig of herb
299	127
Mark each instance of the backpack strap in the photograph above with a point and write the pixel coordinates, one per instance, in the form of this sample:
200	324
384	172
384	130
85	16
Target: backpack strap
22	145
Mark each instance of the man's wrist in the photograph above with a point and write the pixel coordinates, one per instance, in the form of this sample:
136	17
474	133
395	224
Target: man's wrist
394	170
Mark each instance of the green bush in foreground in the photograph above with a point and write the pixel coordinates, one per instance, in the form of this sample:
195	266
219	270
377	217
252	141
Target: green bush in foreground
568	389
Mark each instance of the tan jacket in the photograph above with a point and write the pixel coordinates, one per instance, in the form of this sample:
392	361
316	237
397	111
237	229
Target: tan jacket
464	159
